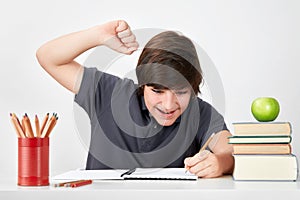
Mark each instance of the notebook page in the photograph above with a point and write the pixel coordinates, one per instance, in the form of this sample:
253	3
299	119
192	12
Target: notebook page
106	174
161	173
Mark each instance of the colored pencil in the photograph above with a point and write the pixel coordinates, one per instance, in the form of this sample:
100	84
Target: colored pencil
28	128
17	125
79	183
44	123
65	183
37	127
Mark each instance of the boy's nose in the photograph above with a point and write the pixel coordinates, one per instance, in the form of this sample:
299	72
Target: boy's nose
169	100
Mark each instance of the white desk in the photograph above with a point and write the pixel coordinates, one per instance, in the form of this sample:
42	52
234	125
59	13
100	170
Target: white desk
219	188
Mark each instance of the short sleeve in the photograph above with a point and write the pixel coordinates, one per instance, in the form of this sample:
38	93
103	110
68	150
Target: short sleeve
211	121
96	88
85	95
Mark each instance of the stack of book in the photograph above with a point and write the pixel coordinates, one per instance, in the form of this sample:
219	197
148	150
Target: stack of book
262	151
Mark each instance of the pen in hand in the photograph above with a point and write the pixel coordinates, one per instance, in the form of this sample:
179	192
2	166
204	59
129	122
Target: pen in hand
202	149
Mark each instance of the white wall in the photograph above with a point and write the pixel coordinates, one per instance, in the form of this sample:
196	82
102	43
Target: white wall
254	45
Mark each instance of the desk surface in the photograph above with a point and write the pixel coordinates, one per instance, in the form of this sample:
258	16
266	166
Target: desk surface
217	188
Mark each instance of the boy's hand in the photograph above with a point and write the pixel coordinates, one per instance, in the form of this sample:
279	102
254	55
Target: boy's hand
118	36
204	164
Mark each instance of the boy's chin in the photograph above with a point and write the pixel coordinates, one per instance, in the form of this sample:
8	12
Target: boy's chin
165	122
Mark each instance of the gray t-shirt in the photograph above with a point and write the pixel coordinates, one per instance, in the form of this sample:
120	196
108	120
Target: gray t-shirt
123	133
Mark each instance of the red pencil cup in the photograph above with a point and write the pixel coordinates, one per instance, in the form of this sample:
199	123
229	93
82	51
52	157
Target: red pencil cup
33	161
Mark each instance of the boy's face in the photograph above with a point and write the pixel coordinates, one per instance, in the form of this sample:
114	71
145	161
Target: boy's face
166	105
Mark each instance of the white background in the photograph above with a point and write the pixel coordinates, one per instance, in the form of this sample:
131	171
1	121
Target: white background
254	44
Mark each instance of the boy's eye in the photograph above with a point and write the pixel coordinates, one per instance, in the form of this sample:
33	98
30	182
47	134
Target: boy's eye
181	92
157	91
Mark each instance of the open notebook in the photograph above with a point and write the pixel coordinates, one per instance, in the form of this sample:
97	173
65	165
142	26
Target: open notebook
133	174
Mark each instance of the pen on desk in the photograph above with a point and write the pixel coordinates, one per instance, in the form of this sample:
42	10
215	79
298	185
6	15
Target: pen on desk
79	183
128	172
63	184
203	147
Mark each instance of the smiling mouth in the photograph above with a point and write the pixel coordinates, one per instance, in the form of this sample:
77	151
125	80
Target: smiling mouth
166	115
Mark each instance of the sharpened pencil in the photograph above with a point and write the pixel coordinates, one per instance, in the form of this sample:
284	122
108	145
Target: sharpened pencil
63	184
49	126
44	123
24	129
79	183
28	128
207	142
37	126
15	121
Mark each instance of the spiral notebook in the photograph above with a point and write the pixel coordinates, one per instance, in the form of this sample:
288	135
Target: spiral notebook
133	174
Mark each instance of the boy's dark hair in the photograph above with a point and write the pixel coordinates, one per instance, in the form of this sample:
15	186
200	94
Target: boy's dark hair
169	61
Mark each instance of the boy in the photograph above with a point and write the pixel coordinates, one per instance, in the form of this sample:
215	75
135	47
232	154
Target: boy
158	123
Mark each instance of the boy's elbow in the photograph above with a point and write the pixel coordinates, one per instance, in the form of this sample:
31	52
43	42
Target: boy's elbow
41	57
38	55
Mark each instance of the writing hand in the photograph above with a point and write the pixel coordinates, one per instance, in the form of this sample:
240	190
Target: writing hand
204	164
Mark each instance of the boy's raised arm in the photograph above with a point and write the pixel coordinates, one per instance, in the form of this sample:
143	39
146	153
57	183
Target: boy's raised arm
57	56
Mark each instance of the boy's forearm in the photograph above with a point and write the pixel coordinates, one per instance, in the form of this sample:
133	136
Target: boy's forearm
57	56
66	48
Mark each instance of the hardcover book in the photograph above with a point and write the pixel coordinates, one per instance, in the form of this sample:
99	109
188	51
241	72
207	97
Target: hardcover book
266	167
259	139
262	128
262	148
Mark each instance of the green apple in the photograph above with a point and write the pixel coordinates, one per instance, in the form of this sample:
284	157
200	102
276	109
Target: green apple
265	109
